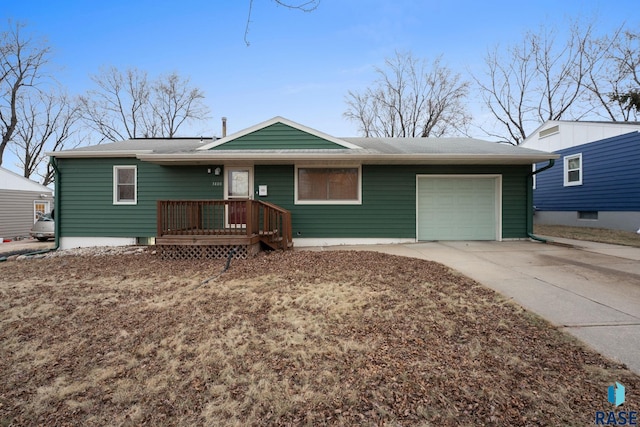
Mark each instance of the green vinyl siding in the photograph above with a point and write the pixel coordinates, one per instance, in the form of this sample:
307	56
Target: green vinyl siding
514	202
86	203
388	206
365	220
278	136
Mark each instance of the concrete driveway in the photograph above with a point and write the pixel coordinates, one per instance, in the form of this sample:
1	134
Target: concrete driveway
590	290
24	246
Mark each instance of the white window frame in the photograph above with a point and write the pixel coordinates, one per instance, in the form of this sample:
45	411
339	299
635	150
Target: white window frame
358	201
116	168
568	183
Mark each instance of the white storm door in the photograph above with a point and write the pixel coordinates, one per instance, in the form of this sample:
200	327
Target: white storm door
238	186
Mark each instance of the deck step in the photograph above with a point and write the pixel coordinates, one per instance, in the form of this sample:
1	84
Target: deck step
276	243
204	240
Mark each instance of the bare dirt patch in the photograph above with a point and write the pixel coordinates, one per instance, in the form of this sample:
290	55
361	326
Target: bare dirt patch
601	235
295	338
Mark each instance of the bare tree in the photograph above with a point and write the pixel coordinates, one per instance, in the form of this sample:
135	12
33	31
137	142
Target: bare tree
126	105
536	80
613	85
46	124
22	59
411	98
119	108
175	102
506	91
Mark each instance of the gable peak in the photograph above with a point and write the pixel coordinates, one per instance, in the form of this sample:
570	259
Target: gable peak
283	121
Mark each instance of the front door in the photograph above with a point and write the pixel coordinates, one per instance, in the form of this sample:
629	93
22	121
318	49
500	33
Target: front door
238	186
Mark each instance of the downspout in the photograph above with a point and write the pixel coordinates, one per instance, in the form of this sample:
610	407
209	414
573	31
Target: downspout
530	202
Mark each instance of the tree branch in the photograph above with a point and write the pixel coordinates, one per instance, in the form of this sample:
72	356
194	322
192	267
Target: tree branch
304	6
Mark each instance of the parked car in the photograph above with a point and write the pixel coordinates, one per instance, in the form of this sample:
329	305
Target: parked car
44	228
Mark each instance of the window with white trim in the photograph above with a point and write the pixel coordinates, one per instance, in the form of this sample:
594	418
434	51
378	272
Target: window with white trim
328	185
125	190
573	170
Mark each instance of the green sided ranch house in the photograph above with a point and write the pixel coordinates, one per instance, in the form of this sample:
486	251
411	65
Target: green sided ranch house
280	183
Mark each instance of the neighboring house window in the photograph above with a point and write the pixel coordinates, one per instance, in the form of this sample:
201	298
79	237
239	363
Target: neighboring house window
573	170
328	185
124	185
588	215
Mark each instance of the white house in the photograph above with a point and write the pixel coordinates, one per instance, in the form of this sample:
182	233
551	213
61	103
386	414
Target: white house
554	135
21	201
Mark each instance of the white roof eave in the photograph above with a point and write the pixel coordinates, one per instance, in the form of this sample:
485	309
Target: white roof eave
271	158
98	154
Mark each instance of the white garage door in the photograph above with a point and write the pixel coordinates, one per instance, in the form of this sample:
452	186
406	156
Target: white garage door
459	207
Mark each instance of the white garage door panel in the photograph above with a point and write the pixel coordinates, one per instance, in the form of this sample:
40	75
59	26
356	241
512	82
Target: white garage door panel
461	208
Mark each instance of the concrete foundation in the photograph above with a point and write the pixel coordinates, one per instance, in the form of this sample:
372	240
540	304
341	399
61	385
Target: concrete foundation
626	221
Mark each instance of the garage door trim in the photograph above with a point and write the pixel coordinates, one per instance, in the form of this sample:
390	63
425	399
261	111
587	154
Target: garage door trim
498	197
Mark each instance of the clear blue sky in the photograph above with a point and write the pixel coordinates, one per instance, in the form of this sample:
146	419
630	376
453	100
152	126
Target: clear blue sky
298	65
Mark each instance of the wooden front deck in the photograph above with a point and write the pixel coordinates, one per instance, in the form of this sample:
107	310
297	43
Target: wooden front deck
219	228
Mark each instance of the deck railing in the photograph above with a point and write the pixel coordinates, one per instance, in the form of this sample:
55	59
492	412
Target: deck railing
225	218
274	224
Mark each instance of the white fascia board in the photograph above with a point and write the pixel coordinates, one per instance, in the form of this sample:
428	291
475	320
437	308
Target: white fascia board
258	158
97	154
273	121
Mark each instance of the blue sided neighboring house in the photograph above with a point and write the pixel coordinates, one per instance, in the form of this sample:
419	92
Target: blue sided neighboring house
595	182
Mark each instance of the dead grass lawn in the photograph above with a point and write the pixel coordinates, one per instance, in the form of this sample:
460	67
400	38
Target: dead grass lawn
297	338
601	235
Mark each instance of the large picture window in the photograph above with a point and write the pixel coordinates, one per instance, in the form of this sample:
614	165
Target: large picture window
573	170
124	185
328	185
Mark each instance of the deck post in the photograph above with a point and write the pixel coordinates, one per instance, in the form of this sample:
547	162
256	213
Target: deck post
159	217
249	217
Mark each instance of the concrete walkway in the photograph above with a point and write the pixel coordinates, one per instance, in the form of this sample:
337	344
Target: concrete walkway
591	290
